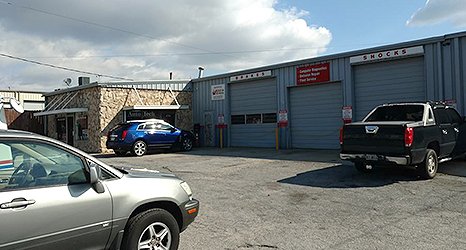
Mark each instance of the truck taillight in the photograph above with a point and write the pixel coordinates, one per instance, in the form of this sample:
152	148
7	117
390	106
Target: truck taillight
409	137
341	136
123	135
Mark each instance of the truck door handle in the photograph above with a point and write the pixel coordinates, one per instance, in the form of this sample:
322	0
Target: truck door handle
17	203
444	131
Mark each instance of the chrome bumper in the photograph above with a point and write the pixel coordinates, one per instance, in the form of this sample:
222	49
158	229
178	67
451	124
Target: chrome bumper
399	160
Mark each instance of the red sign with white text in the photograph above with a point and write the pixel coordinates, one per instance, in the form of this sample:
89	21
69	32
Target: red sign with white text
313	74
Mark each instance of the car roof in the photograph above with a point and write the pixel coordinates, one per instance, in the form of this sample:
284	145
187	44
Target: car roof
12	132
146	120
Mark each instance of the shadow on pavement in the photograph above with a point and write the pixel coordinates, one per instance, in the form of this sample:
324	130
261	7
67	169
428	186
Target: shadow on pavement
456	168
346	176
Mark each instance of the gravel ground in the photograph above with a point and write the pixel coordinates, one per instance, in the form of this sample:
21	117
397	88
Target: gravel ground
308	199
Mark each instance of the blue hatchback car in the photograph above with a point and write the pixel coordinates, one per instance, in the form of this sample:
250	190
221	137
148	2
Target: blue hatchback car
137	137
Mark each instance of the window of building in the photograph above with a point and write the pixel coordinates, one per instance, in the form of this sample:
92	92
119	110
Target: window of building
254	119
238	119
269	118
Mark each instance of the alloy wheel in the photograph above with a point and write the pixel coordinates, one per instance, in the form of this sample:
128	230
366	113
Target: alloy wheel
156	236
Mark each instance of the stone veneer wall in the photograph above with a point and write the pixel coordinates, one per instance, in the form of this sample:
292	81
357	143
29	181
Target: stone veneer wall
86	98
113	100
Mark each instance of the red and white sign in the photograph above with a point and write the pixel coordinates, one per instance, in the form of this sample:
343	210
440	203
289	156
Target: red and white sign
388	54
250	76
221	119
218	92
347	114
283	118
313	74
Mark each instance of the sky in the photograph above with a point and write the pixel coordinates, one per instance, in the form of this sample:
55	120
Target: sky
115	40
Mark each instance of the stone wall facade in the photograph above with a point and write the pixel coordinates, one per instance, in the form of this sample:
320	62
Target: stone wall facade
105	110
86	98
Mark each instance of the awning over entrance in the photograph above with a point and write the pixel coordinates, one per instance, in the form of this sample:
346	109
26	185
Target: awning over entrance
61	111
157	107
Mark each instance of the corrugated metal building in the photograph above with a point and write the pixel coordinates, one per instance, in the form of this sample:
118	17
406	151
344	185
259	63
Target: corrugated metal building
311	95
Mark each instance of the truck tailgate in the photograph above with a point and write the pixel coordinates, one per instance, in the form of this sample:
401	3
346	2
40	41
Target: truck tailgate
386	140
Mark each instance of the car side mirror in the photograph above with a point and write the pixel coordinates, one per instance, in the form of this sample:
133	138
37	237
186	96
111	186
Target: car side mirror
94	178
173	130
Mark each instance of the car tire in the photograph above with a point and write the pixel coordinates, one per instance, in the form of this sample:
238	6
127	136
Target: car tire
139	148
186	144
361	167
428	168
154	228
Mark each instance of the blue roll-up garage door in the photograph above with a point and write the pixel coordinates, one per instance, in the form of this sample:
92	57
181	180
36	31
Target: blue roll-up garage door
315	116
391	81
253	104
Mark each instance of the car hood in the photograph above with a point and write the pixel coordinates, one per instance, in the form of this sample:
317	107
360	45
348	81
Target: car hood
146	173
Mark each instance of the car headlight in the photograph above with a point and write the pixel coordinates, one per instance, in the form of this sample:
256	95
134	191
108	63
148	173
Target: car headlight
186	188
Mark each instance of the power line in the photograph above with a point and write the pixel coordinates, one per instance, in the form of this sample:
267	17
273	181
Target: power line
64	68
192	54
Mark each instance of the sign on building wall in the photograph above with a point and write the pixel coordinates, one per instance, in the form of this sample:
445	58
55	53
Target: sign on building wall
251	76
218	92
313	74
388	54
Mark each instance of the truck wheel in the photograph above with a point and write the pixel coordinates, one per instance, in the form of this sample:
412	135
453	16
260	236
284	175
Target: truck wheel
152	229
428	168
361	167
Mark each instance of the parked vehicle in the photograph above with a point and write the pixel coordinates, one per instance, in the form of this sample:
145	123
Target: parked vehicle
53	196
137	137
408	134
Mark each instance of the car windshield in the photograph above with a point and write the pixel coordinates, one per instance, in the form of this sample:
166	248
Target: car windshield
412	113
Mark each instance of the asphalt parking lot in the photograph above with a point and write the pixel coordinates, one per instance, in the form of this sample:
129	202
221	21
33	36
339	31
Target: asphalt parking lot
303	199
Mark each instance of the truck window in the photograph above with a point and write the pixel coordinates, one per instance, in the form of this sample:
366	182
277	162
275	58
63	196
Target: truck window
455	118
441	116
412	113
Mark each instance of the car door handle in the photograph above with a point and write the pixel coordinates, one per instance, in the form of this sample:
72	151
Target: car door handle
17	203
444	131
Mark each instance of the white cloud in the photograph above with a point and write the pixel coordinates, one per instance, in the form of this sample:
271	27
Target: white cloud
438	11
177	36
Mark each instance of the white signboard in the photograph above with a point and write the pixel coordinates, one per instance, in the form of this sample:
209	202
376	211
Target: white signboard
218	92
388	54
251	76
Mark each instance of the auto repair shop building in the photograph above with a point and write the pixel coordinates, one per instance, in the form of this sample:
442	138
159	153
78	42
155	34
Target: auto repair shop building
310	98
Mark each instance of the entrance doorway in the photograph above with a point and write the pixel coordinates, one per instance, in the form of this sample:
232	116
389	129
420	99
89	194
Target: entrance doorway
70	130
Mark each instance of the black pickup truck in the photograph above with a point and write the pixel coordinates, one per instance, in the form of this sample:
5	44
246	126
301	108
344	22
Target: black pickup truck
420	135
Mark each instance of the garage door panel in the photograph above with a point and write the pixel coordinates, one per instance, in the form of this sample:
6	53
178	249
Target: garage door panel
253	135
254	97
315	116
384	82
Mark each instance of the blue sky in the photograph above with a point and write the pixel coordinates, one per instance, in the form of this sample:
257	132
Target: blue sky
147	39
358	24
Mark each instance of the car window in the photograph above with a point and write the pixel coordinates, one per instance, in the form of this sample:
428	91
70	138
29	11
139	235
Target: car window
150	126
33	164
397	113
441	116
454	117
162	126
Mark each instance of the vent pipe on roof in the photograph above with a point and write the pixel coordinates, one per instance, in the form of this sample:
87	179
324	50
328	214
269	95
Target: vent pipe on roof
201	69
171	75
